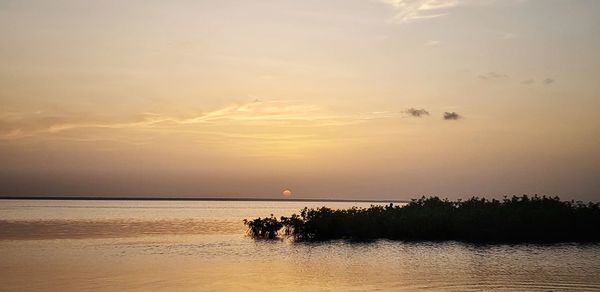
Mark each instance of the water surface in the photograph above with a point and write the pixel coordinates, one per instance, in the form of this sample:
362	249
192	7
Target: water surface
200	245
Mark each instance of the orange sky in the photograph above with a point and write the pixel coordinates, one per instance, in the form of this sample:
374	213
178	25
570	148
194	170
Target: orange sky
389	99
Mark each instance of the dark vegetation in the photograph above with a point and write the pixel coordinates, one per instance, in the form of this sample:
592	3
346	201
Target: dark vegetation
517	219
266	228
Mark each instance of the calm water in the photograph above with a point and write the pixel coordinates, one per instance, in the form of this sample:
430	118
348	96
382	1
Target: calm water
179	246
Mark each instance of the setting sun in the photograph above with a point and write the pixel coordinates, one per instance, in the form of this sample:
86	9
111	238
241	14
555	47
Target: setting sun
287	193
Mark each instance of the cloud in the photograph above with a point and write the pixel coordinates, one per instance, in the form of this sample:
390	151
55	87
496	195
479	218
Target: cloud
417	10
548	81
492	75
451	116
507	35
417	113
267	128
528	81
433	43
413	10
257	114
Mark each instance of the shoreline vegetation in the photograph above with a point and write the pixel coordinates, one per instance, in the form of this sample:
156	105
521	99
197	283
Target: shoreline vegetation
519	219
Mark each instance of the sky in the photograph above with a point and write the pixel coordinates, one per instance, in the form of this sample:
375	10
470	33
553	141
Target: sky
338	99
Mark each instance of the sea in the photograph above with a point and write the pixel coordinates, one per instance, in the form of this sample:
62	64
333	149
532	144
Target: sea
129	245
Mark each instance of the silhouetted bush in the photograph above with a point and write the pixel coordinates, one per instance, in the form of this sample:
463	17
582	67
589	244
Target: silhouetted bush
517	219
263	228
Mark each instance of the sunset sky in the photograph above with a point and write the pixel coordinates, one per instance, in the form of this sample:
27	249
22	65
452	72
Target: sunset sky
349	99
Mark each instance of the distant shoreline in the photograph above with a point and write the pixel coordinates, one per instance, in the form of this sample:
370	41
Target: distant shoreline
194	199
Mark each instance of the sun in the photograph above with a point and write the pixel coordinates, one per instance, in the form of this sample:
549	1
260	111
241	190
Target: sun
287	193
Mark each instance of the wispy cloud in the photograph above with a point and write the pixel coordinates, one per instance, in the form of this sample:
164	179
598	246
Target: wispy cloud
256	114
413	10
492	75
416	10
529	81
507	35
545	81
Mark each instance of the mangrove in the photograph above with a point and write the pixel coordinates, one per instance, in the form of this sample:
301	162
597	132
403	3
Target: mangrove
519	219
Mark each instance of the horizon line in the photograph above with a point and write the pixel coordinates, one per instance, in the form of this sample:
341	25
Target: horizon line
135	198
